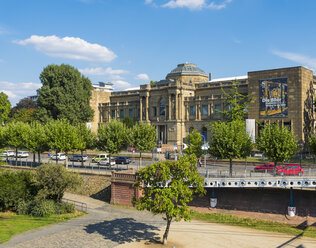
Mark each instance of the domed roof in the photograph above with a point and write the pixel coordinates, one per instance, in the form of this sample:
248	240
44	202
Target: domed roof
187	69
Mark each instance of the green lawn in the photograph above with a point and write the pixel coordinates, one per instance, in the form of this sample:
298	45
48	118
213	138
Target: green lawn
256	224
11	224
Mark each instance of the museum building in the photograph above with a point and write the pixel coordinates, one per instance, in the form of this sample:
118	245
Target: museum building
189	98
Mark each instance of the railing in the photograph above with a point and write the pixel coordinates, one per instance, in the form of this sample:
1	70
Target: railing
79	205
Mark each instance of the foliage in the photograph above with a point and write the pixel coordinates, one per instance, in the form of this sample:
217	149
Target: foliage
312	144
86	139
277	143
236	103
5	107
25	103
15	186
143	137
53	180
194	142
3	140
167	189
128	122
24	115
229	140
112	137
65	94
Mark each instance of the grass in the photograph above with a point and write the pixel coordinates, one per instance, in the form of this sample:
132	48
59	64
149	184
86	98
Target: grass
11	223
256	224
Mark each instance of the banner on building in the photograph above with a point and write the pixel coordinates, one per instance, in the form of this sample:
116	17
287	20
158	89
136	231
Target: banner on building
273	97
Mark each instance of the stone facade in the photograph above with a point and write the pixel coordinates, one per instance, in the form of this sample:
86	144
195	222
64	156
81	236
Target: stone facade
189	99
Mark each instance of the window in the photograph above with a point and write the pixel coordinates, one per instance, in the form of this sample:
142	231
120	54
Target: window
162	110
113	114
121	113
130	113
204	134
217	108
155	111
204	109
192	110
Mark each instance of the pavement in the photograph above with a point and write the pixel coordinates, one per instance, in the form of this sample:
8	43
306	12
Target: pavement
106	225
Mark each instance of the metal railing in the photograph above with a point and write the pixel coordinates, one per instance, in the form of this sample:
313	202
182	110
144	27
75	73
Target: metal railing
78	205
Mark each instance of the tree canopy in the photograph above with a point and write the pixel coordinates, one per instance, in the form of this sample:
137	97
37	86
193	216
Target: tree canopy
167	187
143	137
229	140
5	108
194	142
65	94
277	143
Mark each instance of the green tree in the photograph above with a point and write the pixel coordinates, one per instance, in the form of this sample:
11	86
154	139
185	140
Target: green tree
312	144
65	94
229	140
194	142
24	115
128	122
235	103
61	136
14	133
167	187
112	137
86	139
5	108
277	143
143	137
53	180
25	103
36	139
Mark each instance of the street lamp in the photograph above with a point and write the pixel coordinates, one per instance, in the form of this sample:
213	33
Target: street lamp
204	149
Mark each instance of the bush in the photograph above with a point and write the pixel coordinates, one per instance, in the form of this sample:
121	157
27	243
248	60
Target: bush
65	208
42	208
15	187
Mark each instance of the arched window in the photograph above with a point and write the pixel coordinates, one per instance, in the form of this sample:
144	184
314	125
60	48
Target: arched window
162	107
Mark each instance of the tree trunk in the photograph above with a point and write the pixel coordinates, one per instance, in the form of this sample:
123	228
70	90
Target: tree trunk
66	160
165	236
230	167
34	153
16	156
274	168
81	158
56	156
39	157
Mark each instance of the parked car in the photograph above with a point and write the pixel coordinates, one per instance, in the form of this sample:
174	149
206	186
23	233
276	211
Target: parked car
266	167
122	160
105	162
8	154
59	156
291	169
100	157
22	155
78	157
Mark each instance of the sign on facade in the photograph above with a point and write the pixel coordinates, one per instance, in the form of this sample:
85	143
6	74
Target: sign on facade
273	97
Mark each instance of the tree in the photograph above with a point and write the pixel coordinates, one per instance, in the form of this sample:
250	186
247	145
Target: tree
65	94
194	142
53	180
112	137
312	144
229	140
128	122
25	103
86	139
235	103
36	139
14	133
5	107
277	143
61	136
143	137
24	115
167	187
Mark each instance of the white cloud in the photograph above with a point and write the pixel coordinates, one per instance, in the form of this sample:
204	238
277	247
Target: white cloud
102	71
148	1
142	76
298	58
69	47
120	84
196	4
17	91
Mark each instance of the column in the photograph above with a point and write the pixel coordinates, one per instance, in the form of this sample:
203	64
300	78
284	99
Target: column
176	106
140	109
169	117
146	109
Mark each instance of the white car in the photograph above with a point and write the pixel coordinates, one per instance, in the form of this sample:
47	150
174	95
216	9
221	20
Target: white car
22	155
8	154
59	156
105	162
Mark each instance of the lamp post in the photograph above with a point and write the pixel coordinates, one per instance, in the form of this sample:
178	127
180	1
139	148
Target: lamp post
204	150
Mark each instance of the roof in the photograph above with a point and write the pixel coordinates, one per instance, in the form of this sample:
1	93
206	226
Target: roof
229	79
186	69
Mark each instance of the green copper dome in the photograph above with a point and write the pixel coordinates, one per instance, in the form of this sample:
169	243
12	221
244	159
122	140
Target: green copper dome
187	69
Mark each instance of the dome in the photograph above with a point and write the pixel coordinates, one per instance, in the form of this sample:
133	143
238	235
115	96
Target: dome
187	69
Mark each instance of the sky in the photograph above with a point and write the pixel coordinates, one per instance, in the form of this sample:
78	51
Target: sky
130	42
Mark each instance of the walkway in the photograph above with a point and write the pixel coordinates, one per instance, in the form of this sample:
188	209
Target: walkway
110	226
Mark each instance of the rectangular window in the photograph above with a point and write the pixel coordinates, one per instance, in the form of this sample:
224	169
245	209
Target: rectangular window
204	109
155	111
113	114
192	110
121	113
217	108
131	113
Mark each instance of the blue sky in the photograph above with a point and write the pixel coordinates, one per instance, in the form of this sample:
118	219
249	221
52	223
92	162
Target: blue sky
132	42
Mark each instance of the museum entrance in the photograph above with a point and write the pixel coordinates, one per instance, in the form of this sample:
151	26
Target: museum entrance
162	134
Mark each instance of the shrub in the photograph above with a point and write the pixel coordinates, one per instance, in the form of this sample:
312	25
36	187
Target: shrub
42	208
65	208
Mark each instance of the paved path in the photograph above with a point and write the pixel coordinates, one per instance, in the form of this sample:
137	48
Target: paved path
110	226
